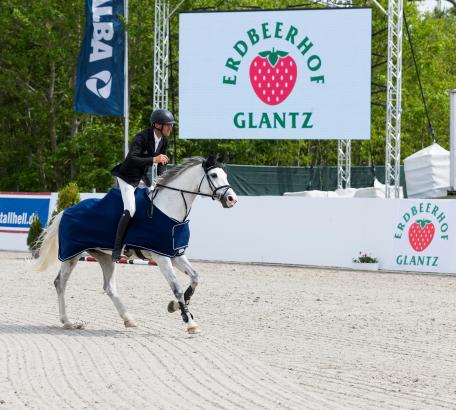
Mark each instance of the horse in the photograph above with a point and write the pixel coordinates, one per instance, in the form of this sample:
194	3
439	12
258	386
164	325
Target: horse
174	193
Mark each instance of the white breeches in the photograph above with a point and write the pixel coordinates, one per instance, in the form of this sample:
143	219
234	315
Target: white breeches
128	196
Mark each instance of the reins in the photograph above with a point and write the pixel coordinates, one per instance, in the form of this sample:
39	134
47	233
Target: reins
184	191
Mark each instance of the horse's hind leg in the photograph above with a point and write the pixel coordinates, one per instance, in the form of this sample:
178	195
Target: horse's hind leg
110	285
182	263
60	283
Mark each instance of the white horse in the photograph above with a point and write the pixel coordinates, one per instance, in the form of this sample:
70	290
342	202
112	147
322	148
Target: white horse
174	194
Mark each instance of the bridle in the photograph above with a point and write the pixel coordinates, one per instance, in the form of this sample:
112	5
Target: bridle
215	194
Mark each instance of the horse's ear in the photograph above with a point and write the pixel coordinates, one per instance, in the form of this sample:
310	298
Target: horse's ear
209	162
220	158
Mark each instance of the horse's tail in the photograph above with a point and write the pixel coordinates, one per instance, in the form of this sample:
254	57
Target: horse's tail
49	240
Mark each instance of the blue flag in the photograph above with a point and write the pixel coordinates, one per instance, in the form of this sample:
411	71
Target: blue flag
100	73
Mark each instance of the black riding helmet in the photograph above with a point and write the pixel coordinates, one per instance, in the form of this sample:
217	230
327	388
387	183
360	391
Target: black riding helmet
162	117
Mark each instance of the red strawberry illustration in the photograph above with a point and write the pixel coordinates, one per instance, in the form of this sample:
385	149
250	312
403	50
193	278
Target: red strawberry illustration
273	76
421	234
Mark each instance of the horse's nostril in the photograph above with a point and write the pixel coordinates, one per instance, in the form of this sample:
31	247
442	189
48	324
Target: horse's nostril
230	198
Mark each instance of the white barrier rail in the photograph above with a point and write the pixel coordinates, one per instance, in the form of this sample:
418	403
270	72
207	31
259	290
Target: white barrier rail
404	234
327	232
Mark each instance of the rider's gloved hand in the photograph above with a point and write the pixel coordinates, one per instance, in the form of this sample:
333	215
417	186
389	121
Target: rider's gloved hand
161	159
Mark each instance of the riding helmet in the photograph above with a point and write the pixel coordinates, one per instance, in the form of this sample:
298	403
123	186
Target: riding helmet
162	117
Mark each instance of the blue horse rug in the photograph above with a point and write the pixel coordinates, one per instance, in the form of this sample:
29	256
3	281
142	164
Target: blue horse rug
92	223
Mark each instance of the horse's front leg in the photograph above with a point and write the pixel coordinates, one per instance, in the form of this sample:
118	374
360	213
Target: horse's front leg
166	268
182	263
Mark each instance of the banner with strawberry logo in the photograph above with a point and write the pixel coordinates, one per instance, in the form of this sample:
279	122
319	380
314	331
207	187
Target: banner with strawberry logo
422	236
278	74
273	76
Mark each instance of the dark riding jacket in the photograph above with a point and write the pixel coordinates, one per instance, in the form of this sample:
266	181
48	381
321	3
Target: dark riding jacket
140	158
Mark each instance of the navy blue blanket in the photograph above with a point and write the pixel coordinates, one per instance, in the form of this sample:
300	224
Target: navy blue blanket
93	224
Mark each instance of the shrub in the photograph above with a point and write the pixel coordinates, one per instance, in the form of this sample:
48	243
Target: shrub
68	196
34	233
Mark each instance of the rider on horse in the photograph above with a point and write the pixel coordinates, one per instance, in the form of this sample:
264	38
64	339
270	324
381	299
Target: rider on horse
149	147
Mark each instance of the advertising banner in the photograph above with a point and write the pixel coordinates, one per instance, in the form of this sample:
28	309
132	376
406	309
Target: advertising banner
18	209
100	72
279	74
423	237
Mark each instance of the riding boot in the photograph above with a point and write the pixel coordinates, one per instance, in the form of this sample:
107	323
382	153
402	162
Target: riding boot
120	235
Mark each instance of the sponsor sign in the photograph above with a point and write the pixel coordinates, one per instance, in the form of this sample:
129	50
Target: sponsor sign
423	236
18	210
100	73
290	74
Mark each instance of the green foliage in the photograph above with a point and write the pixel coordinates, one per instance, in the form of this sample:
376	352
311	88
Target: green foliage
34	233
68	196
45	144
365	258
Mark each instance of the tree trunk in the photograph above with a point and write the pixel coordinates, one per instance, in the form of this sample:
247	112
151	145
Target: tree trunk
51	108
74	130
42	170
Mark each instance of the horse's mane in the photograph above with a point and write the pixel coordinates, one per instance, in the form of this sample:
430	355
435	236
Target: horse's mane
174	172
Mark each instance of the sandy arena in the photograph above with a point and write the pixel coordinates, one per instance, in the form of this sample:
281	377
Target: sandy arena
272	338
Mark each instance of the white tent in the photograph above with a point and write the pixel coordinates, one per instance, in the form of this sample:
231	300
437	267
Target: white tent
376	191
427	172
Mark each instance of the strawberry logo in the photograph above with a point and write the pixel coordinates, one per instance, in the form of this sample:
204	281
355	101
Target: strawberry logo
273	76
421	234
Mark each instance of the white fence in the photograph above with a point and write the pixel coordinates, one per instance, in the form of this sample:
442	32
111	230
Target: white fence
326	232
404	234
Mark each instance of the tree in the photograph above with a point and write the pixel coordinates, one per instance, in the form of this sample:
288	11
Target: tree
45	144
33	237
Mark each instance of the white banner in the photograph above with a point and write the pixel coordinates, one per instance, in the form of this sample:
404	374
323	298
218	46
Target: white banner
422	236
403	234
292	74
328	232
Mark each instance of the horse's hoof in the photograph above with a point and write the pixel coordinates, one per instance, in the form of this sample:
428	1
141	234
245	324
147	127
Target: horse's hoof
173	306
76	325
80	325
193	329
130	323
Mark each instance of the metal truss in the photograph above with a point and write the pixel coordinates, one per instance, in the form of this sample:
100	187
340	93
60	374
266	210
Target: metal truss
343	163
393	107
161	62
161	55
393	100
343	146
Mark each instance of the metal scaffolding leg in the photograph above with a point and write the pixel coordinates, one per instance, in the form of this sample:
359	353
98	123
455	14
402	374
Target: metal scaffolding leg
161	55
394	83
161	62
393	99
343	163
343	146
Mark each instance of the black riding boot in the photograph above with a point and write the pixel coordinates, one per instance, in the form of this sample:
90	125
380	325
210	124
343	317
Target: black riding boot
121	230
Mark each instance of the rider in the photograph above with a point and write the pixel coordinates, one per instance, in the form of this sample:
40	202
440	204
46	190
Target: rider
148	147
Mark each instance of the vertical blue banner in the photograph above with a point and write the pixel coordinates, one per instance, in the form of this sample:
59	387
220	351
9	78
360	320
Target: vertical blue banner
100	72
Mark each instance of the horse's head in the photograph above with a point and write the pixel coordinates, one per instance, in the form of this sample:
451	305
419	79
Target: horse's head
215	182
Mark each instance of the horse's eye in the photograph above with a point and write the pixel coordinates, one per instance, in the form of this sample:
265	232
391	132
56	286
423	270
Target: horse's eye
214	175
